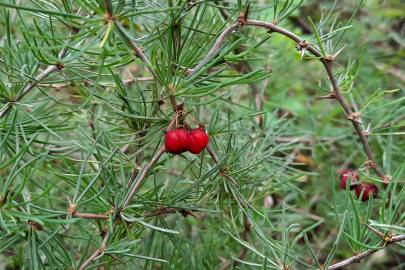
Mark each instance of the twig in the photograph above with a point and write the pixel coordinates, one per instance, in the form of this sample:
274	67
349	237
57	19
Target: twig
327	63
129	81
137	50
134	188
27	89
98	251
170	210
89	215
140	178
160	212
215	49
243	67
50	69
304	140
358	257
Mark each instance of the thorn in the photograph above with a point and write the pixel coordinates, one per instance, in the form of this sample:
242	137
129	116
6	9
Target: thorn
354	116
380	234
367	131
302	53
135	52
59	65
330	58
302	46
186	213
339	51
330	96
35	226
243	15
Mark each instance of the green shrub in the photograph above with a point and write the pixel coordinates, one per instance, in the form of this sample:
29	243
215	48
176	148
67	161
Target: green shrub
88	89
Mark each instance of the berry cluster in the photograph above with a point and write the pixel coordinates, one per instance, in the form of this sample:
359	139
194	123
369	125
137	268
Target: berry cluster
180	140
363	190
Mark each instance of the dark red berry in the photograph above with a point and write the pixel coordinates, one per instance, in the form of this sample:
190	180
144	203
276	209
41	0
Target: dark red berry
199	140
367	189
346	175
177	140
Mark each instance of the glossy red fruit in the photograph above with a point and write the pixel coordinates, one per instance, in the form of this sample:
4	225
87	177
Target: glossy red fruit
368	190
177	140
199	140
346	175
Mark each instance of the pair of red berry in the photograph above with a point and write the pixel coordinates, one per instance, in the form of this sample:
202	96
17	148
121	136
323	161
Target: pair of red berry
180	140
365	188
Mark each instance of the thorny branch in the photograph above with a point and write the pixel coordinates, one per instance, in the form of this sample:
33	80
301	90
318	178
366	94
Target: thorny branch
50	69
137	182
245	67
358	257
335	93
160	212
141	176
327	62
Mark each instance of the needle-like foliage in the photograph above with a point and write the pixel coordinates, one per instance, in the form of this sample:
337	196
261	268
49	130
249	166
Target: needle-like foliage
88	89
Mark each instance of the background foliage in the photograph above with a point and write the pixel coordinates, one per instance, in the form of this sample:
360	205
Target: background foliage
270	201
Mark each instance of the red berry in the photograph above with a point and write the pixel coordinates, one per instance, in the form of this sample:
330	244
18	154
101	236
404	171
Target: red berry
346	175
177	140
367	190
199	140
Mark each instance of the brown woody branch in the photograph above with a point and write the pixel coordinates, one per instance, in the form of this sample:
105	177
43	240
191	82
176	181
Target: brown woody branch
98	252
137	180
245	67
170	210
140	178
89	215
327	62
159	212
29	86
128	81
358	257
